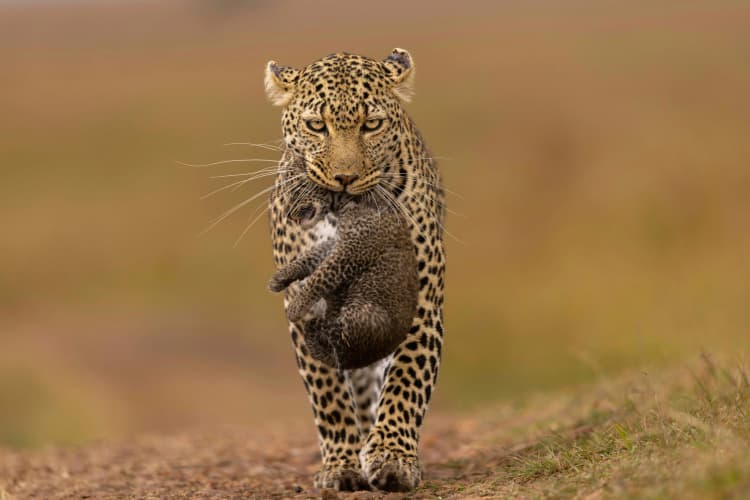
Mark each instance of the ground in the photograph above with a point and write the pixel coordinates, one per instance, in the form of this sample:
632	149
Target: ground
682	432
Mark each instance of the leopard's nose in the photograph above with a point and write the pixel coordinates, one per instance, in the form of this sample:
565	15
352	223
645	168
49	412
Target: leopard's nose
346	179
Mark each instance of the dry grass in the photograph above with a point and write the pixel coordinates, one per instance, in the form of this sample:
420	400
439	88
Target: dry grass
680	433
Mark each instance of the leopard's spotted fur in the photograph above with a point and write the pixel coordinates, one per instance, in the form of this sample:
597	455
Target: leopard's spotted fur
345	129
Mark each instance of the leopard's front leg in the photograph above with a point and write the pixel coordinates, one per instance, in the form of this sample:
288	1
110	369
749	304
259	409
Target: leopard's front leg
389	455
335	419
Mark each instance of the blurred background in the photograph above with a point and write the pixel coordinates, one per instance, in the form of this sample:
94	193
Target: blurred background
600	152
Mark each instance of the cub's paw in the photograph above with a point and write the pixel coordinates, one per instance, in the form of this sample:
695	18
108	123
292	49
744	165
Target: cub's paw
347	478
277	283
296	309
391	470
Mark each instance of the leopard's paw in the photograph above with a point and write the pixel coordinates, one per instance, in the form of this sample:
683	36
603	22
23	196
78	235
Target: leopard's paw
346	478
391	470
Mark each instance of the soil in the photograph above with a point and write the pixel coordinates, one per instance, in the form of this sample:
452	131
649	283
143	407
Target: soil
228	463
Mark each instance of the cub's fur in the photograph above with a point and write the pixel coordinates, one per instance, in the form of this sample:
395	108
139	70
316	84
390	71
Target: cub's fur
367	275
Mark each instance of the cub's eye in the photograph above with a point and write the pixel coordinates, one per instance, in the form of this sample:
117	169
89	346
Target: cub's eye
372	125
304	214
315	125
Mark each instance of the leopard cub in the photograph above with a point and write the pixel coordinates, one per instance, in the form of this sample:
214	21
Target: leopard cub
366	274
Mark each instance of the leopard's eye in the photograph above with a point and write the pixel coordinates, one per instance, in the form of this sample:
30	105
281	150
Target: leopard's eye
372	125
317	126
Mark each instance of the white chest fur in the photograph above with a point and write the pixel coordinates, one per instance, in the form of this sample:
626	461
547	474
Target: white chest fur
325	229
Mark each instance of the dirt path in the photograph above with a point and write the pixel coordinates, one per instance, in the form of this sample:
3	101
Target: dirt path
682	433
230	463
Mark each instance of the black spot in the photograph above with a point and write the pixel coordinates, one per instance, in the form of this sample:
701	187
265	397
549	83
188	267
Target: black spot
421	360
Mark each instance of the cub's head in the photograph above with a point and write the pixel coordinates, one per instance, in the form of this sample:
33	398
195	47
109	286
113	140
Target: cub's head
310	207
342	116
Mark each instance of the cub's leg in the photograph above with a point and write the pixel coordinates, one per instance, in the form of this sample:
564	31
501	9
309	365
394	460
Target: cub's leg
318	333
299	268
362	328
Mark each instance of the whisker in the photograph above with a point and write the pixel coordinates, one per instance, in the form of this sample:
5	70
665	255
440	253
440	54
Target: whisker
302	191
251	224
243	204
269	147
219	190
430	212
272	170
224	162
433	198
238	184
398	206
256	216
255	177
431	184
266	172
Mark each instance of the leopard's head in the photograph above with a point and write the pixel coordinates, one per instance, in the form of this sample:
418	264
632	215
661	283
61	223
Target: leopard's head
343	117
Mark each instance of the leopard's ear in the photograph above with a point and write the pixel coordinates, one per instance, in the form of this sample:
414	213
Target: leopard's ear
399	66
280	81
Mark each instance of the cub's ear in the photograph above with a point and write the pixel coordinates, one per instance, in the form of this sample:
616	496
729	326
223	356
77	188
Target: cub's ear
400	69
280	81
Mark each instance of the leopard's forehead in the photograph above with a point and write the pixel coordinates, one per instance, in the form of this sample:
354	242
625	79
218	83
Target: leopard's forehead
343	87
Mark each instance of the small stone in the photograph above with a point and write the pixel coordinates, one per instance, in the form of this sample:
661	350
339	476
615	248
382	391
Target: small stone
328	494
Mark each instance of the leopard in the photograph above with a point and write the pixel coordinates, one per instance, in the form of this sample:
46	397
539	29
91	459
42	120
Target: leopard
345	128
366	275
